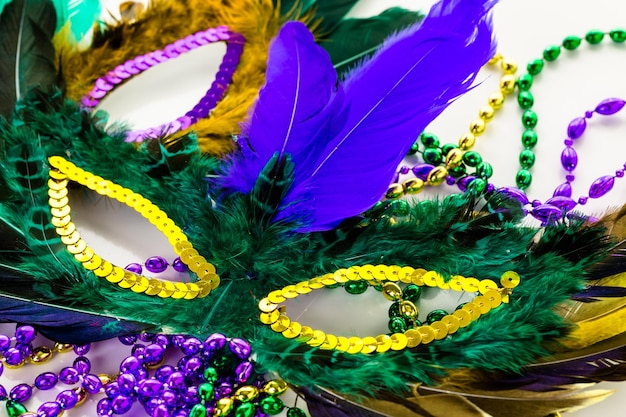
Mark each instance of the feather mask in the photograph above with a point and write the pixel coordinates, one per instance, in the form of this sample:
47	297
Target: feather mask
270	217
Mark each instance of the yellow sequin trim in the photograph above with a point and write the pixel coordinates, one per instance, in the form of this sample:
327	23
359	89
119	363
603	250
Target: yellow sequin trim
61	173
491	296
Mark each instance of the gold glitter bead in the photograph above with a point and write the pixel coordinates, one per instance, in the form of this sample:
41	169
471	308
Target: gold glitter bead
63	347
330	342
246	393
508	66
495	59
408	309
223	407
510	279
428	334
467	141
293	331
383	343
414	338
392	291
398	341
454	158
507	84
275	387
486	113
369	345
40	355
437	176
356	345
496	100
413	186
394	191
477	127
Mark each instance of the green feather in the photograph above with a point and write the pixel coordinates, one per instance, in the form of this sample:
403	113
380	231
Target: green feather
80	15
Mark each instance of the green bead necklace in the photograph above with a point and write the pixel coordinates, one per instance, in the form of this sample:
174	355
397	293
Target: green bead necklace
525	98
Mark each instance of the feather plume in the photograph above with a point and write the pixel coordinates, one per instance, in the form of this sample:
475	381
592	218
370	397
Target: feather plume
79	15
26	50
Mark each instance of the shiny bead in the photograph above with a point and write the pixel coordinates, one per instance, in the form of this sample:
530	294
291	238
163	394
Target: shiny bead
546	213
510	279
571	43
507	84
564	203
21	392
467	141
245	410
437	176
486	112
198	410
240	348
527	158
40	355
413	186
524	82
535	66
296	412
477	186
529	119
394	309
356	287
246	393
275	387
496	100
25	334
456	172
508	66
563	190
525	99
523	179
477	127
394	191
414	148
610	106
618	36
569	159
412	293
484	170
529	139
429	140
454	158
551	53
594	37
432	156
421	171
206	391
67	399
271	405
408	309
15	409
46	381
576	128
601	186
472	158
223	407
445	149
156	264
495	59
134	267
392	291
514	193
397	325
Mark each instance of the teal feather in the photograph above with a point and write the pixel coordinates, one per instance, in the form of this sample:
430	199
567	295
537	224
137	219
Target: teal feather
80	15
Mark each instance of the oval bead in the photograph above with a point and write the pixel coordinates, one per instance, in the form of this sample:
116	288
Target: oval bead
610	106
571	42
601	186
429	140
46	381
535	66
156	264
21	392
432	156
563	190
525	99
49	409
515	193
551	53
569	159
356	287
564	203
546	213
464	182
67	399
421	171
92	383
618	35
241	348
576	128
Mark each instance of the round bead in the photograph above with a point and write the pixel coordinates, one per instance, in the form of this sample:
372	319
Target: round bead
216	342
245	410
394	309
392	291
82	365
618	36
356	287
472	158
454	158
178	265
467	141
397	325
507	83
412	293
67	399
594	37
529	139
432	156
5	342
191	346
524	82
156	264
525	99
92	383
535	66
445	149
25	334
496	100
529	119
571	42
271	405
526	158
484	170
456	172
508	66
134	267
551	53
429	140
523	179
486	112
569	159
121	404
198	410
296	412
69	376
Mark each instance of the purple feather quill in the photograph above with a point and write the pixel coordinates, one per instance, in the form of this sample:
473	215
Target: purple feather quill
347	141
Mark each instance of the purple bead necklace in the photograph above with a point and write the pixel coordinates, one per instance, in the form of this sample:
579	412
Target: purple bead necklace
562	201
214	377
157	264
137	65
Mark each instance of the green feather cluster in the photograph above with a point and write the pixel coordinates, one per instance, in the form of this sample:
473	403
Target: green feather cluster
456	235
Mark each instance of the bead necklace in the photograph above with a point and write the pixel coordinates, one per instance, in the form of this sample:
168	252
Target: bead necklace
443	162
223	78
491	297
157	264
214	378
61	172
525	99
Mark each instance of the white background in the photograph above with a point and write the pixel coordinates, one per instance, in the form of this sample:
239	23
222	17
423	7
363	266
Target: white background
564	90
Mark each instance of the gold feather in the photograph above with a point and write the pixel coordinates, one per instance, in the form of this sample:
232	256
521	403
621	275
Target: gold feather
166	21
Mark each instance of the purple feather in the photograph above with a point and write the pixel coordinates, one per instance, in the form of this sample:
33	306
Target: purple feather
292	109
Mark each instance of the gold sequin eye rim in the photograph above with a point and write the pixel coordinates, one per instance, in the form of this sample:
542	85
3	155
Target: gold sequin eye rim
63	171
490	296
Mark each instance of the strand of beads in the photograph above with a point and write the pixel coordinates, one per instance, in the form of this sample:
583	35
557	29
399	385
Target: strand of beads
157	264
562	202
137	65
491	296
525	98
445	163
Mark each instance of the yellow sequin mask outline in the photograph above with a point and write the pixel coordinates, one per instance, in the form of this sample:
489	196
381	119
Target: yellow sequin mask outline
491	297
63	171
